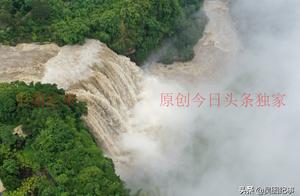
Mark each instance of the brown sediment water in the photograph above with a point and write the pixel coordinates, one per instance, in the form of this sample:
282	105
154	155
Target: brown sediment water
111	84
214	50
106	81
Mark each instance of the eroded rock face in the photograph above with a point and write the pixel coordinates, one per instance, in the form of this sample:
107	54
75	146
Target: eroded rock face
106	81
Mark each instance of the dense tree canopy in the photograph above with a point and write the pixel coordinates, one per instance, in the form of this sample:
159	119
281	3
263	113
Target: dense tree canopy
130	27
45	148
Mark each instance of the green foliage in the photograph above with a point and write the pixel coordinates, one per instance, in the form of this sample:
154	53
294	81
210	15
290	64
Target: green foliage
129	27
188	31
27	187
40	10
54	154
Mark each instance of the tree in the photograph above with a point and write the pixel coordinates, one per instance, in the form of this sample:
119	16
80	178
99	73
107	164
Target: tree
58	156
9	172
5	18
133	28
41	10
7	108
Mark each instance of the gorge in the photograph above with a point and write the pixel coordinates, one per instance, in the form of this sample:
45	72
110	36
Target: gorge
187	151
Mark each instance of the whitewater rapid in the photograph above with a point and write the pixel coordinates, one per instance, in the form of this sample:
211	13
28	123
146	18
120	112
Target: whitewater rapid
191	151
106	81
112	85
161	151
248	47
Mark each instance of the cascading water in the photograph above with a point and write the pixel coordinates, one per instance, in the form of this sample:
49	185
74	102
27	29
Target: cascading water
106	81
187	151
178	151
161	149
110	85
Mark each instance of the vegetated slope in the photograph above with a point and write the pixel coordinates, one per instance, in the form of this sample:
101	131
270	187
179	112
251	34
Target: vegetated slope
129	27
46	148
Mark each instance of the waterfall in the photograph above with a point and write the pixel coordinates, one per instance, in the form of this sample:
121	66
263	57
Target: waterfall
190	151
118	93
111	84
106	81
194	151
164	157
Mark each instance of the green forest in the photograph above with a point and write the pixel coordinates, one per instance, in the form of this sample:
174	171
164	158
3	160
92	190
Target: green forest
130	27
46	148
